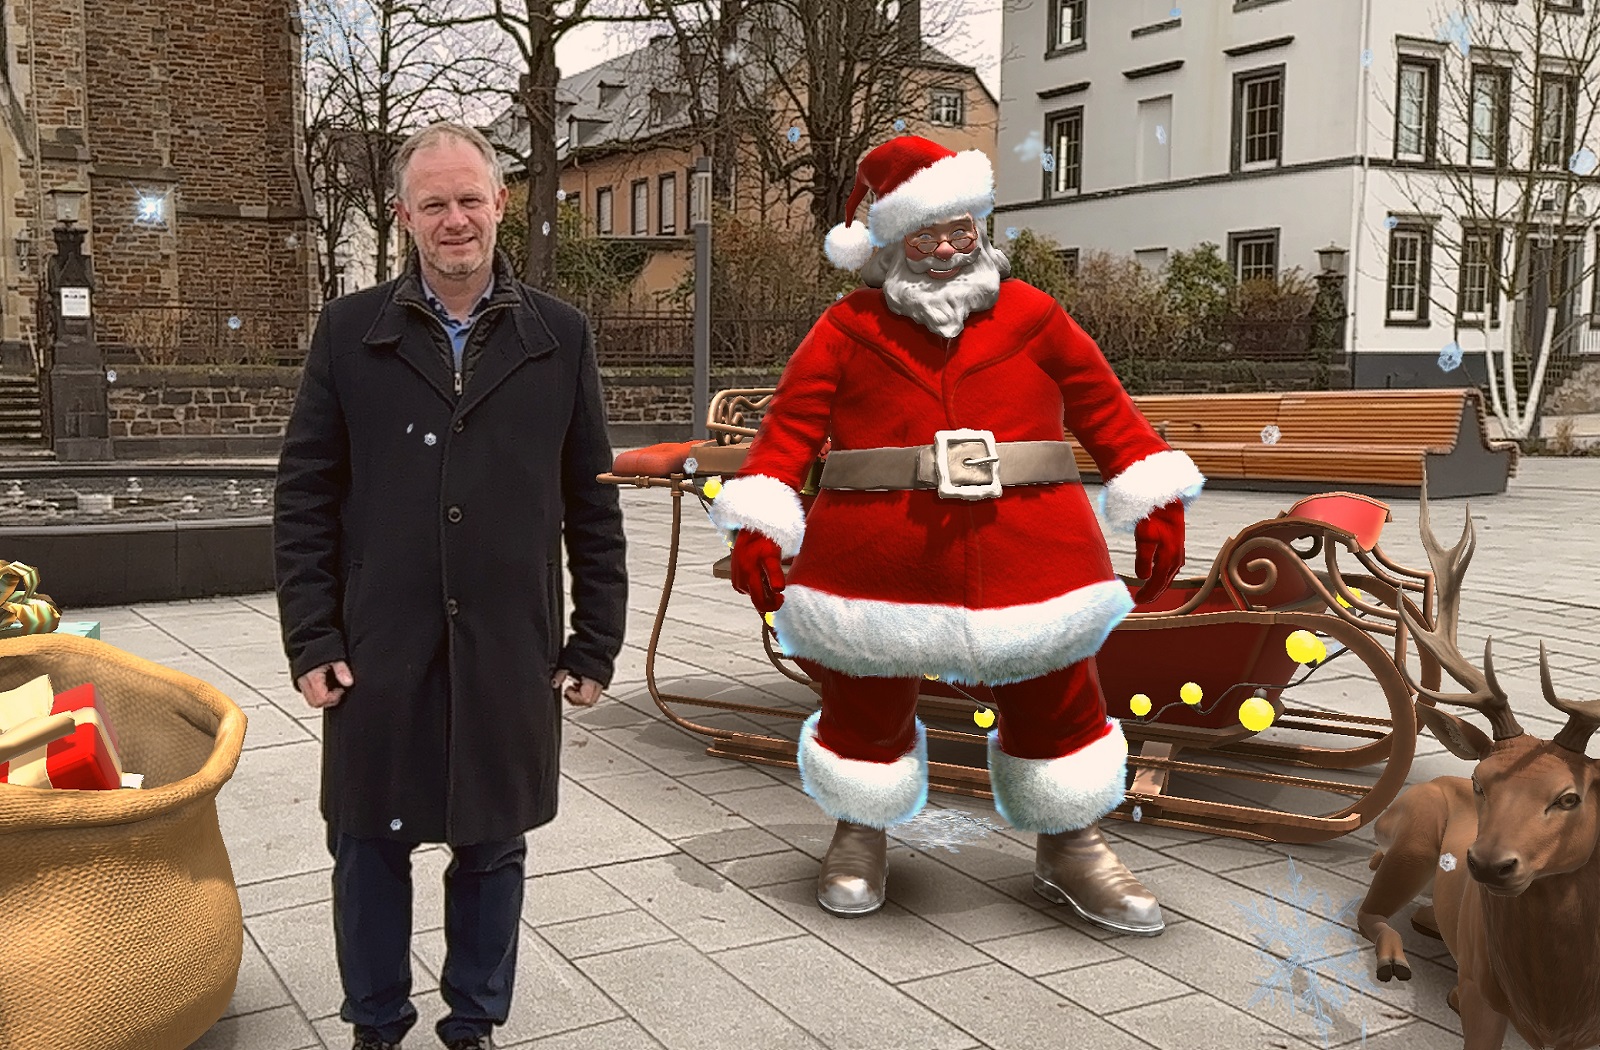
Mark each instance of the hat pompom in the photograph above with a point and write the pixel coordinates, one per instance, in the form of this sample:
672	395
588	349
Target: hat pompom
848	246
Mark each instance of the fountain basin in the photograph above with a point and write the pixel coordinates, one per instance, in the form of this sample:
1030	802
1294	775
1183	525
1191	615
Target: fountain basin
123	533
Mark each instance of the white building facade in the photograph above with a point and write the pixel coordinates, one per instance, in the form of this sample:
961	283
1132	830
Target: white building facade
1276	129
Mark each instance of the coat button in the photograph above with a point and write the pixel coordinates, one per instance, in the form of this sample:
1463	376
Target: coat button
459	426
452	606
454	514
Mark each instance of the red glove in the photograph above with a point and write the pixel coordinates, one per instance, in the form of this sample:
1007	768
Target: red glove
758	570
1159	550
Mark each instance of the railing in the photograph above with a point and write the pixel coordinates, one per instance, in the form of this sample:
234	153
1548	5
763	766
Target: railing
643	339
173	334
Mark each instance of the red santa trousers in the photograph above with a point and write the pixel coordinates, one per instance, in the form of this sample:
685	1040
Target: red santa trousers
1056	762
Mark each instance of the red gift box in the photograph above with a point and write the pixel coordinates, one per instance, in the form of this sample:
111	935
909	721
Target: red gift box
86	759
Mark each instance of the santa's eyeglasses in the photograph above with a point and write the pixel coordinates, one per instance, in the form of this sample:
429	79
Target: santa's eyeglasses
927	243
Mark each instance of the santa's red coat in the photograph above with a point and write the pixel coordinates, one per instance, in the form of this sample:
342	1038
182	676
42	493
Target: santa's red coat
906	583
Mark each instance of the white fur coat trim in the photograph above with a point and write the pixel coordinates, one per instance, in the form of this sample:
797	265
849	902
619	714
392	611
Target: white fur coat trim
870	638
1050	795
873	794
764	504
1152	482
943	191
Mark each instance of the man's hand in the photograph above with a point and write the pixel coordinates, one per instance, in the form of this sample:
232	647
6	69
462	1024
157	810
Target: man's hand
578	691
1159	550
757	570
324	686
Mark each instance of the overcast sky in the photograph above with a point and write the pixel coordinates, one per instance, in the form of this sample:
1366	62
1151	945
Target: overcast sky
593	44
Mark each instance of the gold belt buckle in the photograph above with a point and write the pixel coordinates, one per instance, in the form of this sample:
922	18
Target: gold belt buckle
967	464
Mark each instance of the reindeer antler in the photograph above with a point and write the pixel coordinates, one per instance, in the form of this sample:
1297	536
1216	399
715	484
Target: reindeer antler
1583	716
1449	566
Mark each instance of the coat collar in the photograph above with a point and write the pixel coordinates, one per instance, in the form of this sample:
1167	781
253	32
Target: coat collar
398	318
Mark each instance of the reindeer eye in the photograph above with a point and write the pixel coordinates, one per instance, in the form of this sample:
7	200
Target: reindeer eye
1569	801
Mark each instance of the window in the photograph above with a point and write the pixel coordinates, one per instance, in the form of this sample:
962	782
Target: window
1558	116
948	107
1067	23
1069	260
609	93
1478	297
1064	140
1490	133
641	207
667	106
1152	259
1410	263
1416	117
602	210
1258	119
1254	255
667	203
1594	302
1154	153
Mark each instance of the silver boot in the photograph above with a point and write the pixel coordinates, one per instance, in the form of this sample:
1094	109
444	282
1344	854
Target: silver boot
1078	869
854	871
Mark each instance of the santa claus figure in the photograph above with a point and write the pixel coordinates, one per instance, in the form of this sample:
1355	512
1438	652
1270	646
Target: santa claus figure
951	535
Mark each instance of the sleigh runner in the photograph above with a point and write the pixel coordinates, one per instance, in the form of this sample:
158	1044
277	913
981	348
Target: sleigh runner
1192	758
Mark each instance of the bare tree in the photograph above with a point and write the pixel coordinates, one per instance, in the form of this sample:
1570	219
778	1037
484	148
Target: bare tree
521	39
374	72
1501	167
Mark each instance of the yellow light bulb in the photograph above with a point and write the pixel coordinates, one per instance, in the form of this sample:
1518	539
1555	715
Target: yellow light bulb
931	677
1139	705
767	617
1341	599
1255	714
712	487
1304	647
984	718
1191	693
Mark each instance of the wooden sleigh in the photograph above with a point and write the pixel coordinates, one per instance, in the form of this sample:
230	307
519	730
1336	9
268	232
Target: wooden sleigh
1191	766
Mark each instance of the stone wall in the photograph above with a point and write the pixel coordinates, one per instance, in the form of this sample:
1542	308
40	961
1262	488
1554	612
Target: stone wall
1580	394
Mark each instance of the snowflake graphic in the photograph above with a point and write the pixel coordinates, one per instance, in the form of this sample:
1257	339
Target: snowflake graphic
946	829
1450	359
1048	160
1458	31
794	134
1302	953
900	125
1448	862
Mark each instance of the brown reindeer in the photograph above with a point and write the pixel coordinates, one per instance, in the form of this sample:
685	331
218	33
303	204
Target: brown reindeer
1510	853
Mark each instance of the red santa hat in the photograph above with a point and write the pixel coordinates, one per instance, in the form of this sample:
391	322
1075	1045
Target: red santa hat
914	182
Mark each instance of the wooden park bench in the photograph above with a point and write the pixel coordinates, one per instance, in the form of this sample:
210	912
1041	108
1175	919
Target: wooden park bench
1376	442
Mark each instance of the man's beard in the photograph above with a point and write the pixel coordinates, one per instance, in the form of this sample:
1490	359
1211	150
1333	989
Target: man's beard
942	304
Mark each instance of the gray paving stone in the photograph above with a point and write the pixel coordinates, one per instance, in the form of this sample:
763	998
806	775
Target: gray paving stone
262	666
269	813
281	1028
786	812
664	806
287	891
1199	1022
732	844
687	1002
768	869
298	943
605	933
738	778
696	903
622	1034
875	1016
1118	983
892	943
569	895
1002	1008
588	832
957	903
585	756
549	994
257	988
268	727
1048	950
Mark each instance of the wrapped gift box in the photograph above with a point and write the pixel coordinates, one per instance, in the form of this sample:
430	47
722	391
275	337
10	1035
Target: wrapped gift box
81	628
87	759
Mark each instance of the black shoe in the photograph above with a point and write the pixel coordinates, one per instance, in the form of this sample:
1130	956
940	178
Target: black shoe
366	1039
475	1042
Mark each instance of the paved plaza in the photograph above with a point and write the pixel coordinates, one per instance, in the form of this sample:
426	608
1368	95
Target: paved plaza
671	903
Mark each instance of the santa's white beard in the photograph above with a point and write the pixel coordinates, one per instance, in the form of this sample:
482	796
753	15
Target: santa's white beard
942	304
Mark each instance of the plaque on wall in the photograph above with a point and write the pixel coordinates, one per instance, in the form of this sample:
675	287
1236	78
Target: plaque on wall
74	302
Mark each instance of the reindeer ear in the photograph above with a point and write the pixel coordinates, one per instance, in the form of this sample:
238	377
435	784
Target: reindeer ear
1460	737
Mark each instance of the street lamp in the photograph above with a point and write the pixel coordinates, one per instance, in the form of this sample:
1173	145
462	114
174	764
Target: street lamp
1331	259
67	200
700	218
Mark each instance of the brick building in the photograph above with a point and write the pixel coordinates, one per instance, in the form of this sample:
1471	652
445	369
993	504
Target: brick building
183	122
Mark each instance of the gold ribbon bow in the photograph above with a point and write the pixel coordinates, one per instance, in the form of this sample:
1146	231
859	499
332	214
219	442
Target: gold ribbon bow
21	610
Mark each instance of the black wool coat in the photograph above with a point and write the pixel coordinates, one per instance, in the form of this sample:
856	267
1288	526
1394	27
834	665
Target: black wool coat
417	536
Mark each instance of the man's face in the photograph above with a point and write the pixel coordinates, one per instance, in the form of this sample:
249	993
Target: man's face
941	250
451	208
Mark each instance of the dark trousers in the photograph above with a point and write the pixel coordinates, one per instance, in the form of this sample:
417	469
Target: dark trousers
372	931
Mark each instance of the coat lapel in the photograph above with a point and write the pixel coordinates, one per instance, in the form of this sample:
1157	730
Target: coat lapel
525	338
405	329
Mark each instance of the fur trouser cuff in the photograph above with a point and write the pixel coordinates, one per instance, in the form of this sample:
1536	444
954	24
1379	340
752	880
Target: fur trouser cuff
1050	795
874	794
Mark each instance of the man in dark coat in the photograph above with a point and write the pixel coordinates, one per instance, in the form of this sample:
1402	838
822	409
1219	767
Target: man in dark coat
447	434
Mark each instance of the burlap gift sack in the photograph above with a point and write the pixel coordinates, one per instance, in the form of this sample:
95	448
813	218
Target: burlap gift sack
119	919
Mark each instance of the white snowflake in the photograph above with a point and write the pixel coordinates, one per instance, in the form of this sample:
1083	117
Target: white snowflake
1447	862
429	439
946	829
1308	958
1138	814
1270	434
